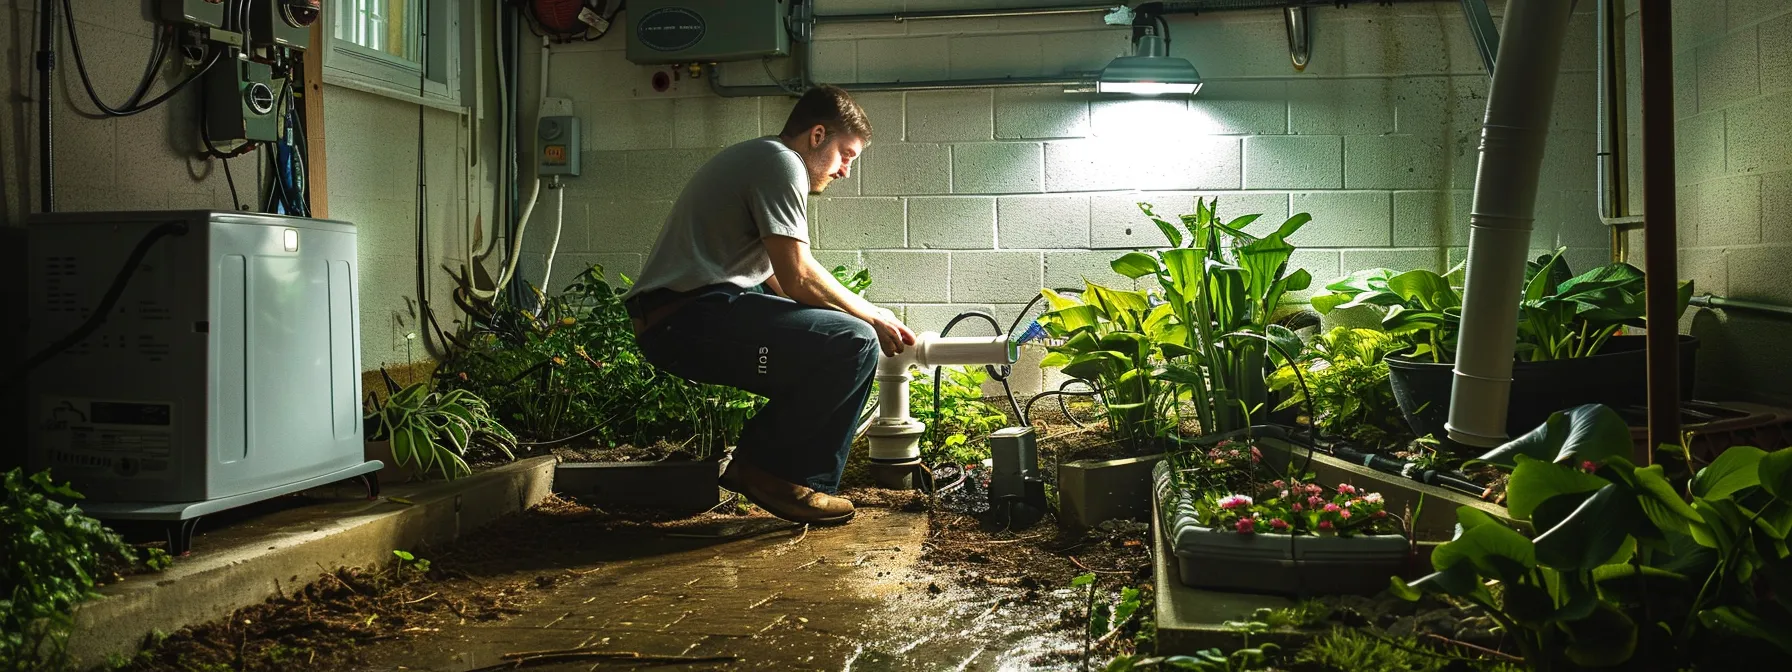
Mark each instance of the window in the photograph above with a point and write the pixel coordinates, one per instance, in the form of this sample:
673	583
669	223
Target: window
381	46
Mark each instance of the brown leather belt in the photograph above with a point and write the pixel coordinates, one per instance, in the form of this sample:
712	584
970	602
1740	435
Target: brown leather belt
647	310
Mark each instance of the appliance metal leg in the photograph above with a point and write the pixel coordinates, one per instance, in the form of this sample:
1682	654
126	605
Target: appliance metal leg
180	536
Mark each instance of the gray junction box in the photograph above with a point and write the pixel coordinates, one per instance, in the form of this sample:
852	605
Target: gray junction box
662	32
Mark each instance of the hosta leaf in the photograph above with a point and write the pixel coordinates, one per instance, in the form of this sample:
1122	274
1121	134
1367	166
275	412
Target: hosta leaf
1535	481
1737	468
1136	265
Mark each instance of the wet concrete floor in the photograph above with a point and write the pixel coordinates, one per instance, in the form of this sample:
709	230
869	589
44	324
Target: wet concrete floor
761	595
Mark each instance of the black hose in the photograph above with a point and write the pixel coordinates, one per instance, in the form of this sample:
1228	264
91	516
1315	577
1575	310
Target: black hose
110	299
1299	377
938	373
1050	393
131	106
1064	405
46	124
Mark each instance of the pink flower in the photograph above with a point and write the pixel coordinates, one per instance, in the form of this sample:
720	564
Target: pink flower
1278	483
1278	524
1372	498
1247	526
1325	525
1284	494
1234	501
1346	488
1381	514
1297	507
1233	454
1588	466
1344	514
1331	508
1315	501
1314	488
1256	455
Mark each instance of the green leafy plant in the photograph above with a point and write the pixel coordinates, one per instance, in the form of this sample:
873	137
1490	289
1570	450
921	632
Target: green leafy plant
408	562
1347	376
434	430
1424	309
855	282
964	419
1625	563
1218	281
52	556
1117	342
1564	316
573	369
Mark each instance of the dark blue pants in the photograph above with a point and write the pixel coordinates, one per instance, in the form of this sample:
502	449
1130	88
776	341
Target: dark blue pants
813	365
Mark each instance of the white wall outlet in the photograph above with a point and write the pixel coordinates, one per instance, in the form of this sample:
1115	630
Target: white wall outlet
556	107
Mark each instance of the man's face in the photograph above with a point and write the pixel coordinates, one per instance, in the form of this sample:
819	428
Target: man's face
830	158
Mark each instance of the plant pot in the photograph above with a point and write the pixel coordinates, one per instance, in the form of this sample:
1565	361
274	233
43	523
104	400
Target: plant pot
1091	492
674	486
1277	564
1617	377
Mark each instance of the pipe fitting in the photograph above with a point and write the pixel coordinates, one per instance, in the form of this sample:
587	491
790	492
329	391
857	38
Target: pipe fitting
895	435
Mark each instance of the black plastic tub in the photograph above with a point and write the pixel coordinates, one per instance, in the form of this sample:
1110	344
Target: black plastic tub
1617	377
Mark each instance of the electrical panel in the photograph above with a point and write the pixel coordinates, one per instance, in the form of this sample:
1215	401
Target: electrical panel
285	23
242	102
559	146
209	13
706	31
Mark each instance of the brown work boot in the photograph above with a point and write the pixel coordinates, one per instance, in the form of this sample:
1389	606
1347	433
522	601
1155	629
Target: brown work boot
784	499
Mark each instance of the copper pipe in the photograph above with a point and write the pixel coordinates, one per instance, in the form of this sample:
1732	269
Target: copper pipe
1659	239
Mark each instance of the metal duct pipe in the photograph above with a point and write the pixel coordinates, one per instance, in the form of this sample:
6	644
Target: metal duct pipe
966	13
1512	142
1660	244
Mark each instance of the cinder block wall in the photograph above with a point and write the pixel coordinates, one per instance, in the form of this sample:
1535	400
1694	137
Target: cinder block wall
1733	164
978	198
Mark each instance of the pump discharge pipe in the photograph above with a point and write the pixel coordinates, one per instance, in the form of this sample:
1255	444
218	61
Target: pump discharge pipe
894	434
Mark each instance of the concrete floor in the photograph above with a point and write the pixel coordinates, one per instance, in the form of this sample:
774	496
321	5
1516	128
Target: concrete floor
855	597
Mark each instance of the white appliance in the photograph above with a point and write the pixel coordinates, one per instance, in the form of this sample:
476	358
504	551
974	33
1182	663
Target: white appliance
228	371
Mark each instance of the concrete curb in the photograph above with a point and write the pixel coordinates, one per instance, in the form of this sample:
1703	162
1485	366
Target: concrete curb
218	581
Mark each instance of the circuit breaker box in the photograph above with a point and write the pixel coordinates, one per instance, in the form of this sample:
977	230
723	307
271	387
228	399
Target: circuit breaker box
706	31
286	23
196	12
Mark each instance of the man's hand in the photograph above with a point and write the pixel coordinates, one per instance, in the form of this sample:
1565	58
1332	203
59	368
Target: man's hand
892	334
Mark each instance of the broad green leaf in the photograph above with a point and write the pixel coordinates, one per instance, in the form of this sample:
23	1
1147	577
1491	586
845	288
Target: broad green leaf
1134	345
1298	281
1054	360
1604	638
1468	518
1325	303
1664	507
1072	318
1428	288
1629	583
1170	231
1459	580
1775	473
1096	365
1057	301
1529	604
1495	550
1182	376
1293	224
1535	481
1592	433
1592	534
1184	267
1240	222
1735	469
1762	624
1288	342
1136	265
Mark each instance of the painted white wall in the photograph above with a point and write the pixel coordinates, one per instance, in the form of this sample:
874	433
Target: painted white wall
978	198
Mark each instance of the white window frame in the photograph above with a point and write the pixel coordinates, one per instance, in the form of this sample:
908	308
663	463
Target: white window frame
436	84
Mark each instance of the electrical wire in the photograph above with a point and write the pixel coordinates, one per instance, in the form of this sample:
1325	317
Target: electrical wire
1299	377
131	106
107	301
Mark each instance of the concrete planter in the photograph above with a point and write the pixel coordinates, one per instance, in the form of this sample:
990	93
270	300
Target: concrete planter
676	486
1093	491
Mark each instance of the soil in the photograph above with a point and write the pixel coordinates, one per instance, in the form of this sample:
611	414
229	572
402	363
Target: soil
319	625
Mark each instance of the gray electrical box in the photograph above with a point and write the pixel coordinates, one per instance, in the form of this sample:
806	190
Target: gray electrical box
196	12
242	102
706	31
558	139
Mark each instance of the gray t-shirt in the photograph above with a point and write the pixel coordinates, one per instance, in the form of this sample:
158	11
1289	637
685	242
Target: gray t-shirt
714	235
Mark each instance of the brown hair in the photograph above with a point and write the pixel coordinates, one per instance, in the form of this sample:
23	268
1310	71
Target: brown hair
832	109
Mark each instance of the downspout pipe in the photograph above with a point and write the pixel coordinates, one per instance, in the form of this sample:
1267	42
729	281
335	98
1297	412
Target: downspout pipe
1513	137
1660	240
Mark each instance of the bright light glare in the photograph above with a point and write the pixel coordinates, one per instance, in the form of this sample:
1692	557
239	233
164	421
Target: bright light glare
1148	88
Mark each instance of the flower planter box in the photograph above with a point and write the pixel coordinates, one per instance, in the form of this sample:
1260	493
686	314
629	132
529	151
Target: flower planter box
1617	377
1280	564
674	486
1091	492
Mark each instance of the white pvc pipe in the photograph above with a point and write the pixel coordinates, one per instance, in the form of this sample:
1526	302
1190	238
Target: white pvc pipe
1512	142
895	435
541	101
559	222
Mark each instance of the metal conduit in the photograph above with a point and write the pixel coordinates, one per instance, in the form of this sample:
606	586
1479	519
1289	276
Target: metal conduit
900	17
1716	302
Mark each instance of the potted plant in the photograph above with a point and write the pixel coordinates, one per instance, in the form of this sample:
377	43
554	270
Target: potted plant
418	430
1569	350
1203	336
1230	530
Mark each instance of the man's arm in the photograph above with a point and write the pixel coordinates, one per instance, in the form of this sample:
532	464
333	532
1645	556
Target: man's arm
772	284
798	276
